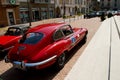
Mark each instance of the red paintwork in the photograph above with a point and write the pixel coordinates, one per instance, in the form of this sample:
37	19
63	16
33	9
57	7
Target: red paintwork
11	37
8	41
47	47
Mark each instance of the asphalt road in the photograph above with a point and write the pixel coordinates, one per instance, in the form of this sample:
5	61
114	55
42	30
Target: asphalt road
9	73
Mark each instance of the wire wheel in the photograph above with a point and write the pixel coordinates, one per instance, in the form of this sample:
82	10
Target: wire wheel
60	61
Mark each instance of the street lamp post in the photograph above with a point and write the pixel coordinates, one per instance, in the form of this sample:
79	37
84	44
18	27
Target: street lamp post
54	9
63	8
63	3
29	11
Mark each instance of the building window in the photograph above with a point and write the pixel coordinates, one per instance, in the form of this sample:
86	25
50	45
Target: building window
108	4
41	1
115	5
44	13
24	15
102	5
37	1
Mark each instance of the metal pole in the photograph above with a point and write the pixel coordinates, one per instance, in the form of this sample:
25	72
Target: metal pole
29	12
54	9
64	10
64	7
48	13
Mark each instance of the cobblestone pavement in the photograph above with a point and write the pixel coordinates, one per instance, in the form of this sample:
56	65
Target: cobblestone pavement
7	73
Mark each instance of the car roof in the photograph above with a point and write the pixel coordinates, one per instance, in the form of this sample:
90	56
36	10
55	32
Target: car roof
47	28
20	26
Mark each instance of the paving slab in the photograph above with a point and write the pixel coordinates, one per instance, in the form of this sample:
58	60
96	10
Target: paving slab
115	51
101	59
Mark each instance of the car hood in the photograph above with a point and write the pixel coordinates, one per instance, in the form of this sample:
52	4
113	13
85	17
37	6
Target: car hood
6	39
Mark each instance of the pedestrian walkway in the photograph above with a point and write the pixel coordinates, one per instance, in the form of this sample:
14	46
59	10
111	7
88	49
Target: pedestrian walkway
101	58
53	20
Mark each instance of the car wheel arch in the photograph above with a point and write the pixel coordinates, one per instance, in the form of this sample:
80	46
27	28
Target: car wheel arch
61	60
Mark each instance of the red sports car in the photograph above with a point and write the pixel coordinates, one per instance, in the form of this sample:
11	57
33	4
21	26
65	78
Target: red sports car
10	38
45	45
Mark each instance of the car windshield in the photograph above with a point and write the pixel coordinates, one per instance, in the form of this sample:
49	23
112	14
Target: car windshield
13	31
31	38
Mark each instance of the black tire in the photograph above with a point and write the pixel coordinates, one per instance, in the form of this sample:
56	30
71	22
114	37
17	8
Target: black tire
84	39
60	62
2	55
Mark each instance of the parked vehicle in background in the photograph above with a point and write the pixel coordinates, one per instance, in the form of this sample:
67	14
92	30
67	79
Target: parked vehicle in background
11	37
109	15
103	16
99	13
45	45
117	13
113	12
90	15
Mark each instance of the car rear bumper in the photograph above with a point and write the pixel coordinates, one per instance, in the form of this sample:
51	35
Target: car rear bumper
23	65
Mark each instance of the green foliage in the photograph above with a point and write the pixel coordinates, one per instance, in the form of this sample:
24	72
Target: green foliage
64	17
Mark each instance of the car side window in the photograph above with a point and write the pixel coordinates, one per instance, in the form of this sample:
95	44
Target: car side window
58	35
67	30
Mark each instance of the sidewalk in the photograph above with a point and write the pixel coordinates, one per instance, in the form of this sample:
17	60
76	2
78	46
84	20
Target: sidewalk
101	58
53	20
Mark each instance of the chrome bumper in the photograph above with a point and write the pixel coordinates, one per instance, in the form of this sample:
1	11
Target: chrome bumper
23	65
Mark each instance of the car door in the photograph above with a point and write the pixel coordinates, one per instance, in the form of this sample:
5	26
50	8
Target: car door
66	37
69	36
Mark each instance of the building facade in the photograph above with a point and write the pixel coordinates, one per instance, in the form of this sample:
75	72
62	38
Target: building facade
72	7
9	12
85	6
110	4
23	11
66	7
36	10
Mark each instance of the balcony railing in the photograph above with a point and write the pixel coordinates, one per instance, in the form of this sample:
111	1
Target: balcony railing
10	2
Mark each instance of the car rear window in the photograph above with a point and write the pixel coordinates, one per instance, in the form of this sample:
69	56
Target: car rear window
31	38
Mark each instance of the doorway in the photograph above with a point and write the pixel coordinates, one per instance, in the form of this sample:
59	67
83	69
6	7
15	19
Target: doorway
11	18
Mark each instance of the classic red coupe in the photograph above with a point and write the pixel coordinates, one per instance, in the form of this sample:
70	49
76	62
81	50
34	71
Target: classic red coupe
11	37
45	45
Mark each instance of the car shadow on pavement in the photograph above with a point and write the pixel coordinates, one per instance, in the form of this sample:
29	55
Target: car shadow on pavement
72	52
2	55
15	74
44	74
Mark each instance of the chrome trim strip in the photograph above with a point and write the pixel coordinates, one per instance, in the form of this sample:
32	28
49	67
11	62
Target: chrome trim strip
7	48
35	64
